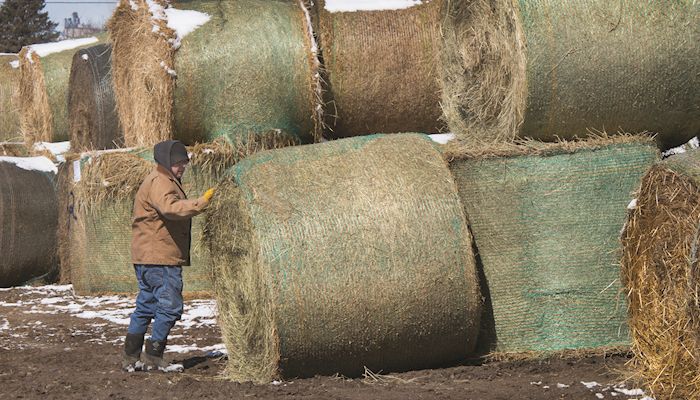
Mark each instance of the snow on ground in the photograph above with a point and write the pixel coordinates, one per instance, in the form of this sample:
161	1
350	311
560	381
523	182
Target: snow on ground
44	49
369	5
42	164
113	310
692	144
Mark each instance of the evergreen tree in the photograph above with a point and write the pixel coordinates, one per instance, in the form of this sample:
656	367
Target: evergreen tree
22	23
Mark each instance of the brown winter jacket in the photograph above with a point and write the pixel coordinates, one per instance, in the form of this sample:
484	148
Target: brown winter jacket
162	221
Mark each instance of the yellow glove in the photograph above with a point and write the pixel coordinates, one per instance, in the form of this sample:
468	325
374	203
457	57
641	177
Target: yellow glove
208	194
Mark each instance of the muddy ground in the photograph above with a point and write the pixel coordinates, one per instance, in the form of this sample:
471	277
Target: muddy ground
55	345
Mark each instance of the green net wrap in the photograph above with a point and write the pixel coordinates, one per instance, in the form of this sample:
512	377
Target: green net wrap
546	229
340	255
250	69
100	248
28	218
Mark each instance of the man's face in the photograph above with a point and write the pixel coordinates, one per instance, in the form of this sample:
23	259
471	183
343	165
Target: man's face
178	169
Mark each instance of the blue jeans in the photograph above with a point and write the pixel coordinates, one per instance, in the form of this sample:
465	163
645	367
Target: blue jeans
159	299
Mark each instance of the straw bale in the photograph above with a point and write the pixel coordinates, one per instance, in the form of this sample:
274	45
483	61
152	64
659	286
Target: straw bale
252	68
143	89
92	110
13	149
381	70
9	110
28	216
548	68
342	255
659	270
99	259
546	221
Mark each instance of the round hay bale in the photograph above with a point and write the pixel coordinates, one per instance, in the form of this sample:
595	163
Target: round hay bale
381	69
556	69
92	111
99	251
28	216
250	69
660	271
43	95
13	149
338	256
546	220
9	111
66	218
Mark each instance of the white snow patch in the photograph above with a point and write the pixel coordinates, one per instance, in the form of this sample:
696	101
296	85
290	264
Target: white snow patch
692	144
133	5
42	164
5	325
630	392
173	368
590	385
85	57
14	64
176	348
600	395
57	149
562	386
369	5
536	383
167	69
184	22
632	205
442	138
44	49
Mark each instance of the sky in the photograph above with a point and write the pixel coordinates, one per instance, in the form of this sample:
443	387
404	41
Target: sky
98	14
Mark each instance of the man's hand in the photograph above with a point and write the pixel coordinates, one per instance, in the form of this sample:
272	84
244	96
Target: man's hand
209	194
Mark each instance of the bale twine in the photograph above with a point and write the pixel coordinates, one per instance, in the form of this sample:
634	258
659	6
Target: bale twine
9	111
28	216
381	69
546	220
43	95
100	227
341	255
546	69
92	111
659	269
251	68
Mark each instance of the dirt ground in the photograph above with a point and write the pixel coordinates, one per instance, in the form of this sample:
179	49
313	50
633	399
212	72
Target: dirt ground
55	345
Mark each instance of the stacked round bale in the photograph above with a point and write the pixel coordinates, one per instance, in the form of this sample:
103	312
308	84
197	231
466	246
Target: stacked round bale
381	68
546	220
28	216
660	270
250	68
549	68
43	89
343	255
9	112
92	114
100	203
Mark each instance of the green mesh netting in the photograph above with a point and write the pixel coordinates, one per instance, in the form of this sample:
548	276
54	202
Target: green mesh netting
547	230
618	65
340	255
100	249
28	218
9	111
381	69
249	69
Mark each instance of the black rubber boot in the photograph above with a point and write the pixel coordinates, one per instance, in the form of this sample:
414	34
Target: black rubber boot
153	357
131	359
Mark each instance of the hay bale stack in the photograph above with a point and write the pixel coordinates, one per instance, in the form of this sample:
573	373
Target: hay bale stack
92	111
546	69
546	220
9	111
660	271
250	69
100	228
381	69
43	94
336	256
28	216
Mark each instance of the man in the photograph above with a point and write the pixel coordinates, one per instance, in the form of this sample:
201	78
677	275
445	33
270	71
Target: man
160	246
